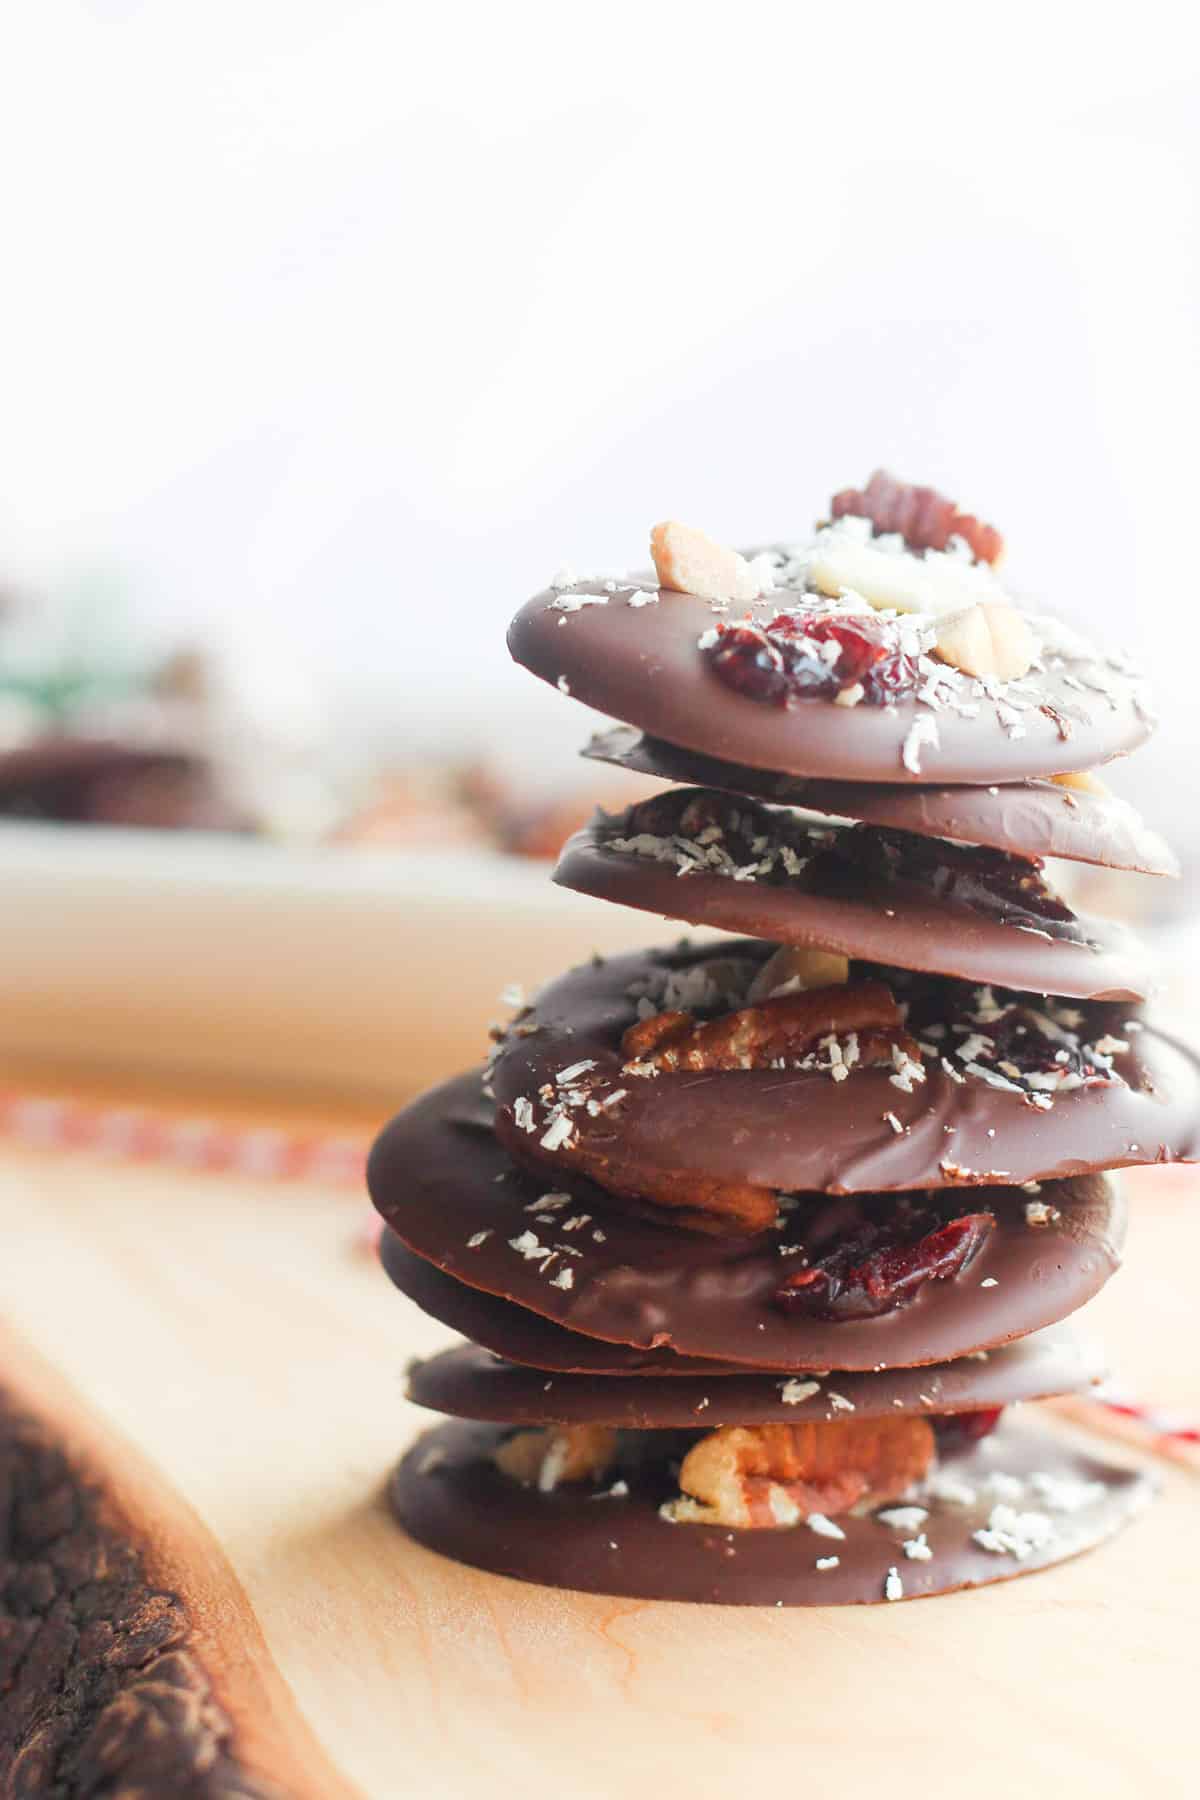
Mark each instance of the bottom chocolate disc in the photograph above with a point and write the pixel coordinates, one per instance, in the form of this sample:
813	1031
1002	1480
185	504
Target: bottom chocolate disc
1016	1501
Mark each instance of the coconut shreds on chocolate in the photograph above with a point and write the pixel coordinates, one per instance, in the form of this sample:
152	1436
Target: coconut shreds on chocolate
1052	1034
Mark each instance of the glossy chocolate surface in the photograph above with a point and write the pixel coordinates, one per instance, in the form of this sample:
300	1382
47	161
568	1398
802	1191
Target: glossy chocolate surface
800	1130
860	912
506	1330
448	1190
450	1497
1029	818
642	665
472	1384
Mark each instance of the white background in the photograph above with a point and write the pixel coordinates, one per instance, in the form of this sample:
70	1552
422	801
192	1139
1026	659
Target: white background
334	328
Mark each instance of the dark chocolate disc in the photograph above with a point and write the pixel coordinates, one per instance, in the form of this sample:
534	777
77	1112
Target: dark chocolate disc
848	890
515	1333
473	1384
801	1130
1035	1498
448	1190
1029	818
643	664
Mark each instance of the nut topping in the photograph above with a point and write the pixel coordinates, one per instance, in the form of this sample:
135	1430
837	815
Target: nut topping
991	638
1083	782
795	968
925	519
788	1027
557	1453
772	1475
692	563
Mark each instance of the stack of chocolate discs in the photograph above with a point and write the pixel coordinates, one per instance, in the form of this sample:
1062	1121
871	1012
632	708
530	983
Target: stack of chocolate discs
758	1238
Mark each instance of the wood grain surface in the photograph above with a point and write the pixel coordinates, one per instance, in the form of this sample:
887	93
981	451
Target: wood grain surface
240	1337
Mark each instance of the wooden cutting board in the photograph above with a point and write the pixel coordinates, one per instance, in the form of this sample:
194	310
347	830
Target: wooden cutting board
221	1361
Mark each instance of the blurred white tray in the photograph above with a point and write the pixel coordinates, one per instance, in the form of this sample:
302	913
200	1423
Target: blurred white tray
365	971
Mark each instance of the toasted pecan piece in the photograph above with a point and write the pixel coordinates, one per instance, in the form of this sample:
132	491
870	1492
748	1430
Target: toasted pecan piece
698	1202
925	519
788	1027
771	1475
784	1029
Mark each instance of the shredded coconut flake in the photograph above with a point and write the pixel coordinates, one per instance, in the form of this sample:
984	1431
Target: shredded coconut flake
823	1527
923	731
903	1518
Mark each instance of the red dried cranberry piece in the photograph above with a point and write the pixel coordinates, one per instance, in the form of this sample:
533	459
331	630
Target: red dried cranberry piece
1019	1039
960	1430
925	519
746	660
880	1267
783	662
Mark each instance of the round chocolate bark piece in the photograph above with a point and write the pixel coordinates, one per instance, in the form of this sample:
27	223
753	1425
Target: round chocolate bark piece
973	1119
1027	818
515	1334
644	665
1057	1501
848	891
473	1384
449	1191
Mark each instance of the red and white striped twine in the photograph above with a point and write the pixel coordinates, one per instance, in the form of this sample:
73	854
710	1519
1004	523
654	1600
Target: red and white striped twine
139	1135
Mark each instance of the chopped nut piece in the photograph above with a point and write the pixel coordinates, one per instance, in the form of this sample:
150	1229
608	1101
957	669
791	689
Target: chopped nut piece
692	563
989	639
557	1453
794	969
1084	782
763	1476
789	1026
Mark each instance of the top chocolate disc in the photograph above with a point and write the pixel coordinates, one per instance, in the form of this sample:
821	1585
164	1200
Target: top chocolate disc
1027	818
644	655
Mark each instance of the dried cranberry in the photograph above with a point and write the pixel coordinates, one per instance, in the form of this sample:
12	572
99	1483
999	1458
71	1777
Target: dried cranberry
1019	1039
960	1430
782	662
1022	1035
925	519
882	1263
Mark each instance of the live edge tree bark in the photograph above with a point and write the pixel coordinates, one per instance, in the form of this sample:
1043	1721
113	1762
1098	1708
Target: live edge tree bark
131	1666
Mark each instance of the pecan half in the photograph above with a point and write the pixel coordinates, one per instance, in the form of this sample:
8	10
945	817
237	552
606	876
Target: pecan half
925	519
788	1027
771	1475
